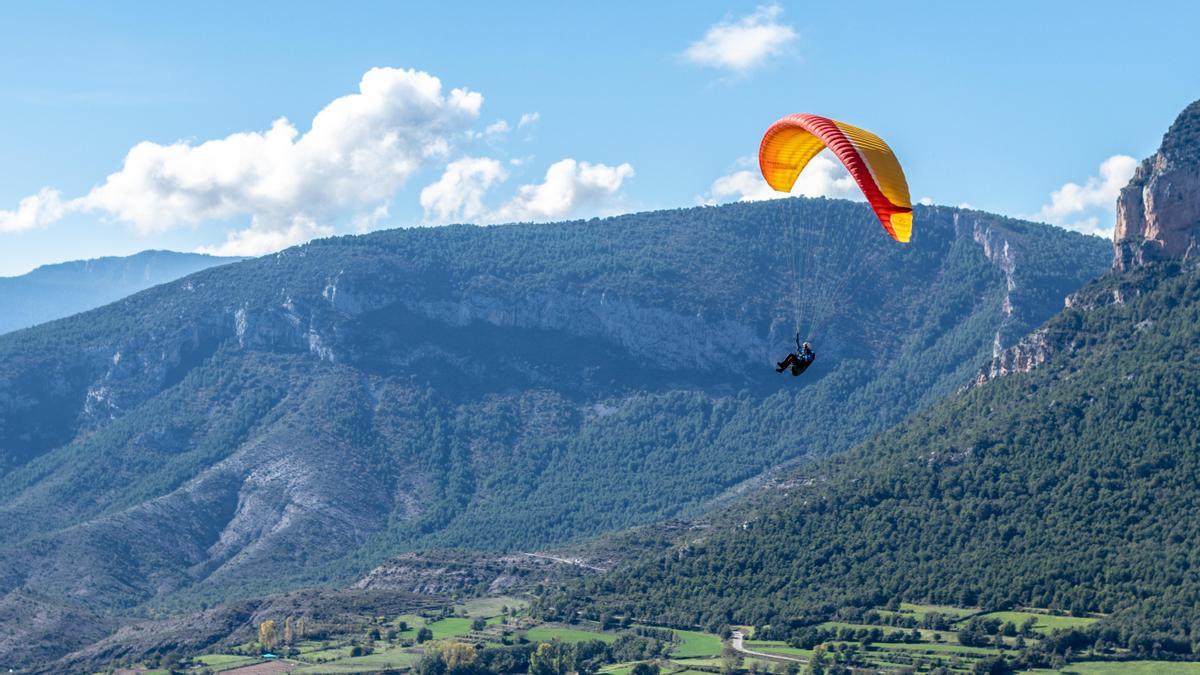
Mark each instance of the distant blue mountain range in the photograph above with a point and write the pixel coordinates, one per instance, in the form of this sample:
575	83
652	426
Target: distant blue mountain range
55	291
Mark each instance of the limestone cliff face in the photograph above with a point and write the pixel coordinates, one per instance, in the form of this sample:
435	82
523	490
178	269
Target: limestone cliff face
1158	213
1158	219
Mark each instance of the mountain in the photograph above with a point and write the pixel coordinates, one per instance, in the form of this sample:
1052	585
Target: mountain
1067	479
1070	487
1158	212
299	418
54	291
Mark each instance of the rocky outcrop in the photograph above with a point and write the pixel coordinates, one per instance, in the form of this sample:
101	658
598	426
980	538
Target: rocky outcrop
1158	219
1030	352
1158	213
464	572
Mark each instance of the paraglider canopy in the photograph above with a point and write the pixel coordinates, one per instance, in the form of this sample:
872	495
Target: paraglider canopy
791	143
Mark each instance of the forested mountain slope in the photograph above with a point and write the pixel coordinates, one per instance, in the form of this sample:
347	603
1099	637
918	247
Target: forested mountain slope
1072	486
54	291
297	418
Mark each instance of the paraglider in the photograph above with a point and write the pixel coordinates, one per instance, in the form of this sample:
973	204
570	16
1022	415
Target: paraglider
799	360
789	145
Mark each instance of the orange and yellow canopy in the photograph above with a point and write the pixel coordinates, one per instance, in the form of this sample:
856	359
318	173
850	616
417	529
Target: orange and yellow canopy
793	141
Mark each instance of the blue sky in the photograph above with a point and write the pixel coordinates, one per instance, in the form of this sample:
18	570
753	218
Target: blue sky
628	106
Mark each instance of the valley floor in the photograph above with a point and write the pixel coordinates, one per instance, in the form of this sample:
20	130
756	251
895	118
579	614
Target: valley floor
896	640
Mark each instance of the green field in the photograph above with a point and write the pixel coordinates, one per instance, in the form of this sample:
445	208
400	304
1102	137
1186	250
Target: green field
489	607
455	626
747	662
693	643
221	662
386	658
919	611
776	647
548	633
1125	668
1045	622
926	634
330	654
618	668
927	647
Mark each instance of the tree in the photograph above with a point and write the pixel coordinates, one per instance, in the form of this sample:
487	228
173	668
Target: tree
267	635
288	631
550	658
479	623
424	635
993	665
458	656
731	660
816	664
448	658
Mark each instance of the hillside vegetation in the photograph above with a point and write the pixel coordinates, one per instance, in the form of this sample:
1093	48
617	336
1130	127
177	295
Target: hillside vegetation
1071	487
299	418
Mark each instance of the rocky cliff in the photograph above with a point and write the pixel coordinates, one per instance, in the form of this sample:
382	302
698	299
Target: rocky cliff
1158	219
1158	213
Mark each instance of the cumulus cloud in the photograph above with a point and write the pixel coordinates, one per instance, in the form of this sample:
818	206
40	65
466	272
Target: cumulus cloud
459	193
259	239
743	44
365	222
34	211
1090	208
291	185
823	177
569	188
358	151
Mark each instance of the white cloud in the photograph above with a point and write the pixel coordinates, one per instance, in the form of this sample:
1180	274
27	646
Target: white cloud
292	185
569	188
358	151
823	177
743	44
458	194
34	211
365	222
1082	207
258	240
926	201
